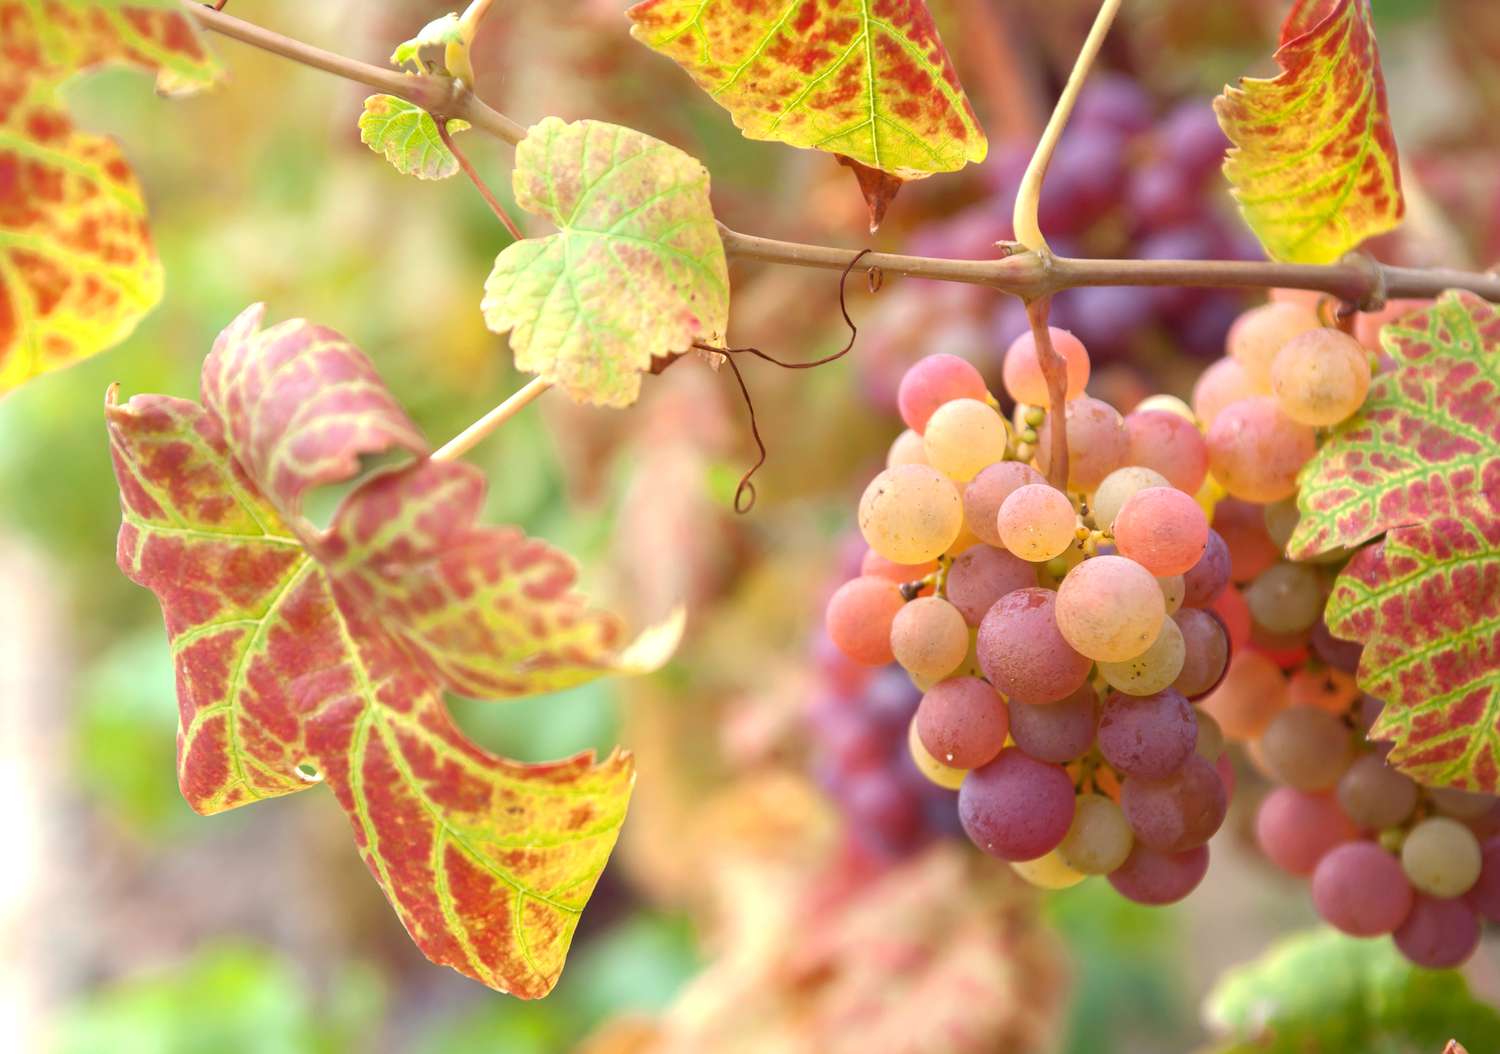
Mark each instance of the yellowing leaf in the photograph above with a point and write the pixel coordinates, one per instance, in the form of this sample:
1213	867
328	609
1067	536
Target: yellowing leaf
868	79
408	137
1314	161
636	269
308	656
77	268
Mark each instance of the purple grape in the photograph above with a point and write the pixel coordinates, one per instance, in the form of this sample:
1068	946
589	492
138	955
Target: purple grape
1438	933
1016	808
1083	180
1190	137
877	800
1340	654
1172	303
1205	327
1151	877
1149	736
854	744
982	575
1485	896
1115	102
1359	888
1177	813
1023	653
1159	194
890	700
1109	318
1206	579
962	722
1056	732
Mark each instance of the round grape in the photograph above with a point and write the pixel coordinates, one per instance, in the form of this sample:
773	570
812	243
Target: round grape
984	494
1151	877
1281	518
1057	732
1119	487
1049	871
875	564
1016	808
1485	896
1099	839
1441	857
1162	529
1023	653
929	637
1465	805
982	575
1210	743
1320	377
1110	608
1097	442
962	722
1180	812
1206	579
1148	736
1286	598
1037	522
1359	888
1295	829
1163	441
1307	748
1256	451
1438	933
1224	383
1258	334
1022	372
906	449
1205	652
962	437
945	776
1152	670
859	618
1253	692
933	381
1376	796
1173	589
910	514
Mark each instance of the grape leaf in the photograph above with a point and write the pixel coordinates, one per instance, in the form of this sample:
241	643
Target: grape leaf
871	81
1426	443
1314	165
636	269
1321	992
408	137
77	267
307	655
1426	603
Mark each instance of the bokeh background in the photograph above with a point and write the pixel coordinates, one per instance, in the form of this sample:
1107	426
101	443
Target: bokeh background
755	903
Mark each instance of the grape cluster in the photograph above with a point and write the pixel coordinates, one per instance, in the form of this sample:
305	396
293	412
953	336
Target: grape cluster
1058	638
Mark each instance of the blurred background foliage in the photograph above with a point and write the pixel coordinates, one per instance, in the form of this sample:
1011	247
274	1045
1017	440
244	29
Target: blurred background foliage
136	926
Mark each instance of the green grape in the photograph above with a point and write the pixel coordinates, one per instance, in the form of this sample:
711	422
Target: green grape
1281	520
1285	598
1441	857
1099	839
1210	744
1153	669
1173	590
962	437
1306	748
1119	487
910	514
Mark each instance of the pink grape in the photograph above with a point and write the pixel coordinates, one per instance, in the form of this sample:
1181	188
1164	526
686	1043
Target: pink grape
874	564
1149	736
1015	807
962	722
1438	933
1037	522
1252	693
1207	578
1261	332
929	638
1485	896
1243	529
1223	383
1110	608
1359	888
1022	651
859	618
982	575
1151	877
1256	451
1167	443
1206	645
933	381
984	494
1177	813
1162	529
1097	442
1295	828
1057	732
1022	372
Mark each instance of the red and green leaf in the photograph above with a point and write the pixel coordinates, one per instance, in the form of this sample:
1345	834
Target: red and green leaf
1426	444
307	655
871	81
636	269
1426	603
1314	164
77	267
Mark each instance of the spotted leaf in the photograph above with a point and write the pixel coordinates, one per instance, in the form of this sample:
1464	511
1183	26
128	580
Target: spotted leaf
309	656
1426	443
868	79
77	267
635	270
408	137
1314	165
1426	603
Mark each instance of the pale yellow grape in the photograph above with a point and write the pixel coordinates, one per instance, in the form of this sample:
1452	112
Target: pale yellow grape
1173	590
962	437
1285	597
1441	857
1260	333
1099	839
906	449
1037	522
1169	403
1210	742
1153	669
929	766
910	514
1110	608
929	637
1321	377
1048	872
1119	487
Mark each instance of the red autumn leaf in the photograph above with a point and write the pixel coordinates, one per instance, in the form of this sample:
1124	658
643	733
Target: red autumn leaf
77	267
1314	164
1427	442
1426	603
307	655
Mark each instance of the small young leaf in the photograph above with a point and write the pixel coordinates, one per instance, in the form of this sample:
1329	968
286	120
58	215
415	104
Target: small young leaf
870	81
429	50
1426	603
1314	161
1320	992
1427	442
408	137
636	269
77	267
307	655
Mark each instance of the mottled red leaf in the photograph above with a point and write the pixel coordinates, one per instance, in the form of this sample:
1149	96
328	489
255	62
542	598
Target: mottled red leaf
77	267
307	655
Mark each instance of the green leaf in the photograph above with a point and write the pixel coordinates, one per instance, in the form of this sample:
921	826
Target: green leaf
1314	164
307	656
636	269
872	82
1425	445
1323	993
408	137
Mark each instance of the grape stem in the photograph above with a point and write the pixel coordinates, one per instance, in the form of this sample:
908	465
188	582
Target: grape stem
470	437
1028	197
1356	280
474	177
1055	370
